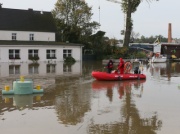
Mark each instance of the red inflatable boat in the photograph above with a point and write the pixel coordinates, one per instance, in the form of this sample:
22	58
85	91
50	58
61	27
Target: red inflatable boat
116	77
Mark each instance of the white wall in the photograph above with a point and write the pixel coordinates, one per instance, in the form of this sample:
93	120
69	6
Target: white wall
157	48
24	35
4	52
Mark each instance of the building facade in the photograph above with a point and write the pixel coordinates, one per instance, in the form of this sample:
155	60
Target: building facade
40	53
28	36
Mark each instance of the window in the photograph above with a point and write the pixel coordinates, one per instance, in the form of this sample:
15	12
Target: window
33	53
14	54
31	37
13	36
51	54
67	53
14	69
51	68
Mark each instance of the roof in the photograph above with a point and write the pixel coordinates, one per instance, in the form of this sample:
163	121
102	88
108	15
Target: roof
26	20
36	43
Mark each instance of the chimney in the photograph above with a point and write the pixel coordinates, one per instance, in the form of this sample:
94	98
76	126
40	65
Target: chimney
169	33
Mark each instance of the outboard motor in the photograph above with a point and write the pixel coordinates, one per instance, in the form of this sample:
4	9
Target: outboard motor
137	70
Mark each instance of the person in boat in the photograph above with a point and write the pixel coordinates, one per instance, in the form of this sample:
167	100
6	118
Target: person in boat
109	66
121	66
137	70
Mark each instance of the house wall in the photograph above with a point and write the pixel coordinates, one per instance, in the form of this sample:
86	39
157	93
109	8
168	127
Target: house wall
157	49
24	35
4	52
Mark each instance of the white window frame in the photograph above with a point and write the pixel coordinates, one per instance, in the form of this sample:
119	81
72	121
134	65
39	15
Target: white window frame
50	54
31	37
67	53
14	53
35	52
14	36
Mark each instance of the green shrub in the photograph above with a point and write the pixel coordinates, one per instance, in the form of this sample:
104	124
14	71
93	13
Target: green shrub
69	60
34	59
140	54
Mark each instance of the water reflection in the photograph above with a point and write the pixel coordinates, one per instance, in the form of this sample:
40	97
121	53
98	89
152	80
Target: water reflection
166	70
33	68
42	69
38	71
156	70
72	100
123	87
130	121
12	102
74	103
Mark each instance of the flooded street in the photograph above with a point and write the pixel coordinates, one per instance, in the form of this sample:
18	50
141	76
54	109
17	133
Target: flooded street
75	103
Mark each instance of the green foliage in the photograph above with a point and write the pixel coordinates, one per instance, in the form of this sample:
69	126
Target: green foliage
150	39
69	60
34	59
118	52
124	52
129	7
140	54
97	42
73	18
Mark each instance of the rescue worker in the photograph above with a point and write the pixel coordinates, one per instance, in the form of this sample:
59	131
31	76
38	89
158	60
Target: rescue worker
121	66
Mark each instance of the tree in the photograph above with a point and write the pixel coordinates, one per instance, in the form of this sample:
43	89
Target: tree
150	39
129	7
73	19
97	41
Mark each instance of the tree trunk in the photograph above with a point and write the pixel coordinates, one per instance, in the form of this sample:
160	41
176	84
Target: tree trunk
128	26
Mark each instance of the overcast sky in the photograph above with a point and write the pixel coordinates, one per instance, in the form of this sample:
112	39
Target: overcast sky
149	19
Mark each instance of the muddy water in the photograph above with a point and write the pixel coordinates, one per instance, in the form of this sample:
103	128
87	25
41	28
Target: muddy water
74	103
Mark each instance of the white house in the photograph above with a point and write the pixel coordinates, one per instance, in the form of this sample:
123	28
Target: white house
51	52
29	34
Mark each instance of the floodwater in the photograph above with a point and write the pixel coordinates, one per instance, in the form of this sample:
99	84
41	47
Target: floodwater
75	103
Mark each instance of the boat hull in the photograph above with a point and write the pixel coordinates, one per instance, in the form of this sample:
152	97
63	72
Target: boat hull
116	77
